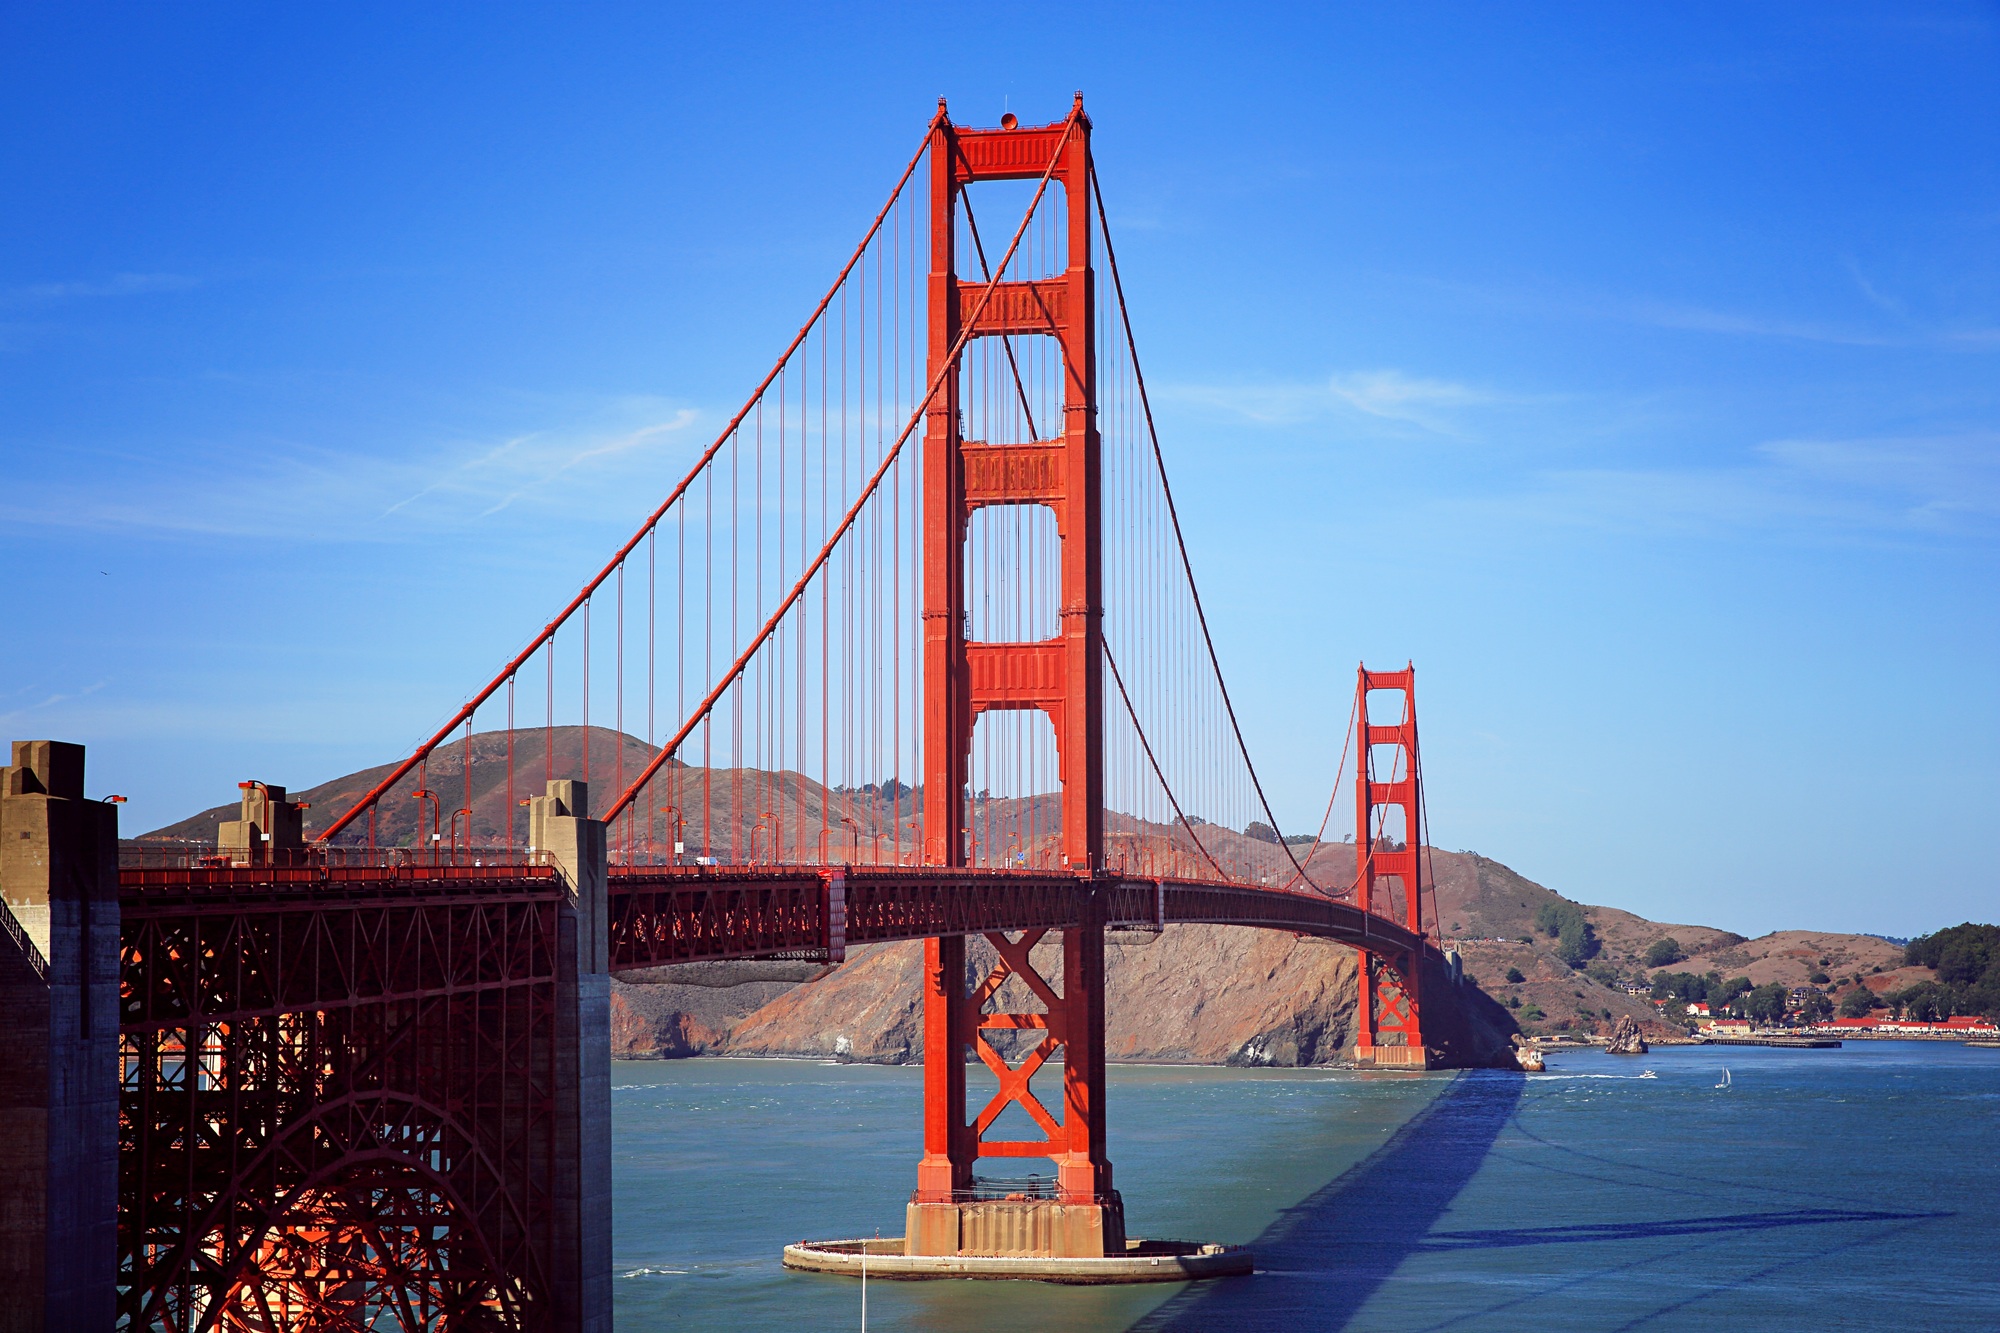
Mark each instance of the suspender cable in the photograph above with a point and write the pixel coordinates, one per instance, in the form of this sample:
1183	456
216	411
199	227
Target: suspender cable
547	634
874	482
1139	380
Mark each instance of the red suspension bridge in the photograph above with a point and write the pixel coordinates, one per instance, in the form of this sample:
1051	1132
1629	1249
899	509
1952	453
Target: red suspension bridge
916	652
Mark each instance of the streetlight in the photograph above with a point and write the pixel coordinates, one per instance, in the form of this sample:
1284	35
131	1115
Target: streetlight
467	812
677	824
420	795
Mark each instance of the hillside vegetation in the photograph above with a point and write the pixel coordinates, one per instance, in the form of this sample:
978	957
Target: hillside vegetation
1548	962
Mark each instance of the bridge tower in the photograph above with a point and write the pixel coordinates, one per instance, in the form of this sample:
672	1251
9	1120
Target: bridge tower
1386	779
1061	676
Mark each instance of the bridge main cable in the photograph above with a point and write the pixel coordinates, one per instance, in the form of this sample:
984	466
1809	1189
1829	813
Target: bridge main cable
548	631
1187	564
937	380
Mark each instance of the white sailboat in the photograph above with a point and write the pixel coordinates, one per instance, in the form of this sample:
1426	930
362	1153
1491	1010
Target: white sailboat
1725	1077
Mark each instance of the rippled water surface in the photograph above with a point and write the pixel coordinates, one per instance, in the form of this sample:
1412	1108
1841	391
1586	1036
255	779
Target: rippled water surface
1852	1188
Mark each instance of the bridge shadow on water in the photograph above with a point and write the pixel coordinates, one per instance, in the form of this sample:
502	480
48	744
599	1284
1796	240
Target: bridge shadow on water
1321	1261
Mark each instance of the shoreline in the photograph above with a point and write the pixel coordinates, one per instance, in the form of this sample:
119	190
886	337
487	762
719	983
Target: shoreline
1343	1067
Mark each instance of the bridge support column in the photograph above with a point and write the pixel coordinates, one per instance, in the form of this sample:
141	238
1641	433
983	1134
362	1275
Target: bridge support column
1388	842
560	827
952	1213
1062	677
58	1046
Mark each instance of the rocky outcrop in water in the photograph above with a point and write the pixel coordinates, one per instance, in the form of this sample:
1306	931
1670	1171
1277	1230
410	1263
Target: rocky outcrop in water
1527	1057
1626	1039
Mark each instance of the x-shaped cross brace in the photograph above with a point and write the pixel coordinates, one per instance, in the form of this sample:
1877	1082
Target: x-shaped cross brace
1014	1078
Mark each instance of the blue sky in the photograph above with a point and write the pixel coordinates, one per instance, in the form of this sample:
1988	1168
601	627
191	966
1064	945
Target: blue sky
1634	371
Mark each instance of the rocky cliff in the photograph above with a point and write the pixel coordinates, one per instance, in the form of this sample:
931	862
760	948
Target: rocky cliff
1191	994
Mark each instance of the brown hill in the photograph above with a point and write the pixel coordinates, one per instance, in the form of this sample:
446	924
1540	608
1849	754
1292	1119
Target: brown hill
1793	956
735	814
1194	994
600	754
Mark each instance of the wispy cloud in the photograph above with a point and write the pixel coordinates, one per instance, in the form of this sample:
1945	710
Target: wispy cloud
1432	406
1888	489
51	701
1702	319
1395	396
313	492
118	284
1880	319
529	463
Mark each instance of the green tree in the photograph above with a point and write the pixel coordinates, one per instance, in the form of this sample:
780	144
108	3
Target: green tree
1514	976
1722	993
1664	952
1964	962
1859	1003
1983	998
1816	1008
1925	1002
1766	1004
1532	1013
1577	942
1965	942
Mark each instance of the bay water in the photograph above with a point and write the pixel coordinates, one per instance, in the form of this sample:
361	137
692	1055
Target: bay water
1856	1188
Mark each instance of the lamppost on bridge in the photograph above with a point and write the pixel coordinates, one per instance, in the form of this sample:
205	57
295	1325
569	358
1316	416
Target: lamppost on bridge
677	824
768	819
452	841
420	795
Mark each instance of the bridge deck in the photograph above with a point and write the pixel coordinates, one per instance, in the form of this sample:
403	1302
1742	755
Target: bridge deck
685	914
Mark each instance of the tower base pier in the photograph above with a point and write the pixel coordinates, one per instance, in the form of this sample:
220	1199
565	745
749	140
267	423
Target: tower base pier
1019	1228
1394	1057
1141	1261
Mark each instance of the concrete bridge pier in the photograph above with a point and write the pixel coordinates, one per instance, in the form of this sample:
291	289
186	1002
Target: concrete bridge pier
560	829
58	1045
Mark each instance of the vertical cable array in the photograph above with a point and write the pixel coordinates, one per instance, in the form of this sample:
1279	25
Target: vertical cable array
1011	389
808	750
779	593
1184	798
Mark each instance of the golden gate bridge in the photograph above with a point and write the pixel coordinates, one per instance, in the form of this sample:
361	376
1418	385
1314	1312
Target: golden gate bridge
917	653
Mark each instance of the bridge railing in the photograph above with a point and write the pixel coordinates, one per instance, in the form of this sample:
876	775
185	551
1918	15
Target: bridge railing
18	933
689	913
147	854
